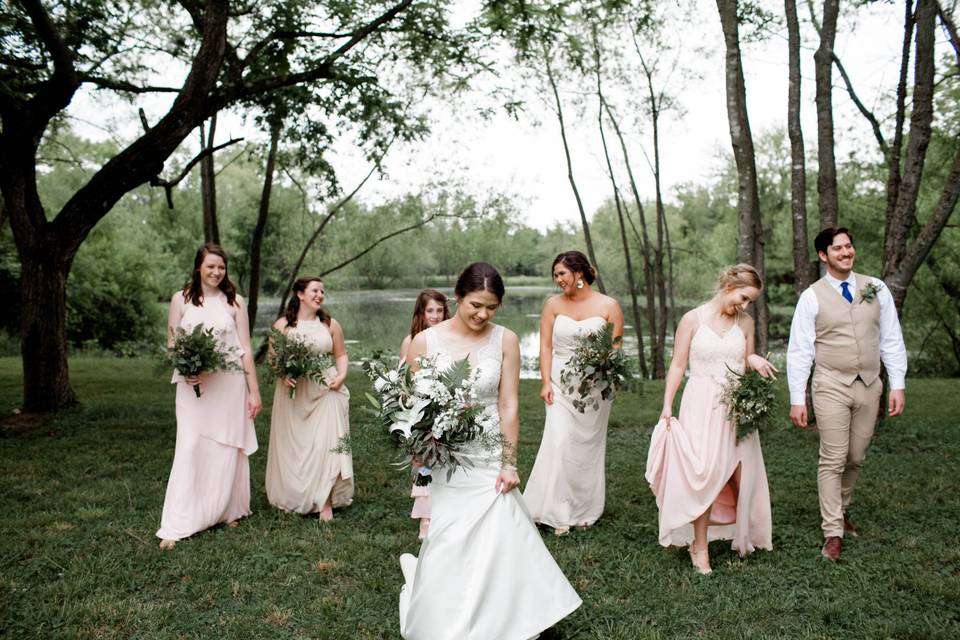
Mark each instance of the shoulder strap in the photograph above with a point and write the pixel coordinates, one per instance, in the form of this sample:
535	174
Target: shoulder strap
431	337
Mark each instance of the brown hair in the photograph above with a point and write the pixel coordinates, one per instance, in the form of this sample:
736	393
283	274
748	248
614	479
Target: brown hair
825	238
293	306
576	262
193	291
739	275
479	276
419	322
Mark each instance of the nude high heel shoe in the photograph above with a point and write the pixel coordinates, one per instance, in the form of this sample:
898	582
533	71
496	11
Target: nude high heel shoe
700	561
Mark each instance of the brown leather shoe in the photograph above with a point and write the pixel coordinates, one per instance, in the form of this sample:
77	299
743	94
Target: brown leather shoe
832	548
849	529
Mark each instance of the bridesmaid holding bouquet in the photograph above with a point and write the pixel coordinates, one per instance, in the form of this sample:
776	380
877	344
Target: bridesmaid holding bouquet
567	484
708	485
308	470
210	477
429	310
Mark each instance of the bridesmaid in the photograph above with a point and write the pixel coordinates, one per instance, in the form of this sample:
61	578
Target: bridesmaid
429	310
708	486
566	486
304	472
210	478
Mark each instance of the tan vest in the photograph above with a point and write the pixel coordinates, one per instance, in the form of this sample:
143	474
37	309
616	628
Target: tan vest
848	334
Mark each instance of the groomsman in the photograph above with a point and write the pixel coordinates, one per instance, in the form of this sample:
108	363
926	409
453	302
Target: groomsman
847	324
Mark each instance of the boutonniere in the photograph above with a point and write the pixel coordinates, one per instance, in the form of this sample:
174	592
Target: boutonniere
869	292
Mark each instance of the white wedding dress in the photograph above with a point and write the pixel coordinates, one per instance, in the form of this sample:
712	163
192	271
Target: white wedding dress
483	571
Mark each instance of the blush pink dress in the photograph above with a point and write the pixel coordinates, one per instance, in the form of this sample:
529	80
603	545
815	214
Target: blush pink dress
210	477
693	459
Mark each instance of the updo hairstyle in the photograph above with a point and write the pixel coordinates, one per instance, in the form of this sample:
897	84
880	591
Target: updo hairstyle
577	263
739	275
293	306
479	276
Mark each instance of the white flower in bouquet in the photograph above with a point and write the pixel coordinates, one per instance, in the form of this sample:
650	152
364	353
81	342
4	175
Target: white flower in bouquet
408	416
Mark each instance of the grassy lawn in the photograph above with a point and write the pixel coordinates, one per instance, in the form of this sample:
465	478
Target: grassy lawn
80	500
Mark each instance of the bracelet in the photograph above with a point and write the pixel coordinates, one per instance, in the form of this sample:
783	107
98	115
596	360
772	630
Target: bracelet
508	467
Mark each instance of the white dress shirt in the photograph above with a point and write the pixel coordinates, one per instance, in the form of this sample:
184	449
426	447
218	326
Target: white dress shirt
803	334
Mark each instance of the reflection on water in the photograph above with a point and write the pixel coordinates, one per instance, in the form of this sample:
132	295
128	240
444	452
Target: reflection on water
380	319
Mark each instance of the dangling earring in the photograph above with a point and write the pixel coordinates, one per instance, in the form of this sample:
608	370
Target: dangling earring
579	283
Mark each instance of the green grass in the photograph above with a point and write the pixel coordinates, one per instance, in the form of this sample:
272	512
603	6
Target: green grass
81	499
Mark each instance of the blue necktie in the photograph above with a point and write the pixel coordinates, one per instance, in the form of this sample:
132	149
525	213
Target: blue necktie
846	291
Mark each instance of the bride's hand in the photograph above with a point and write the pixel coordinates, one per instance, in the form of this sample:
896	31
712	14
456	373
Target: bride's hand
761	366
666	414
507	480
546	393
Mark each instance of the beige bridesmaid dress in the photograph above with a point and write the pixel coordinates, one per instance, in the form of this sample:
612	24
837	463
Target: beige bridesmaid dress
307	460
210	477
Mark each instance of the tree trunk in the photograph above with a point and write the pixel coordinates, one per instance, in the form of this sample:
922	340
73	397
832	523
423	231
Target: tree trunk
823	67
670	280
628	261
256	242
643	240
921	118
895	154
659	277
208	185
573	184
749	222
43	328
803	268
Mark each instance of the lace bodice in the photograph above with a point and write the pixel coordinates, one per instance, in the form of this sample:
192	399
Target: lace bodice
485	361
711	353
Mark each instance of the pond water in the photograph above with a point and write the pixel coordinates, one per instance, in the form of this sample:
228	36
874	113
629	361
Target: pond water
380	319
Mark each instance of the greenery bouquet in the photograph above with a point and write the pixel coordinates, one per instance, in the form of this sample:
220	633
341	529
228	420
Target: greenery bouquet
596	368
199	350
434	411
749	398
292	357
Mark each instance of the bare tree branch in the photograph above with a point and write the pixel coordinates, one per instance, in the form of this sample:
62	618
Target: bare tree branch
316	233
127	87
376	243
872	119
322	70
289	35
168	185
951	29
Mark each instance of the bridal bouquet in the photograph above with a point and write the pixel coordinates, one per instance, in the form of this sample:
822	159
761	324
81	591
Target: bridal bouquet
434	411
292	357
597	367
749	398
199	350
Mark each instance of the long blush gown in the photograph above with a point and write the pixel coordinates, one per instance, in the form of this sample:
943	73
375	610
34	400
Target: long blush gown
483	571
566	486
307	460
210	477
692	460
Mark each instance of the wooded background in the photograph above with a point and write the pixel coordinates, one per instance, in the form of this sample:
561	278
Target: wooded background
94	235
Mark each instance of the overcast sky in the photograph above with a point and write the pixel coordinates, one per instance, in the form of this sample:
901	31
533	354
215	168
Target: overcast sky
525	157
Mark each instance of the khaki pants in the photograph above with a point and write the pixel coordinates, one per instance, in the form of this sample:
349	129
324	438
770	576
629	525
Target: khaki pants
846	417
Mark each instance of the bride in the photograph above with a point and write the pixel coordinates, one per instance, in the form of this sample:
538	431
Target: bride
483	571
